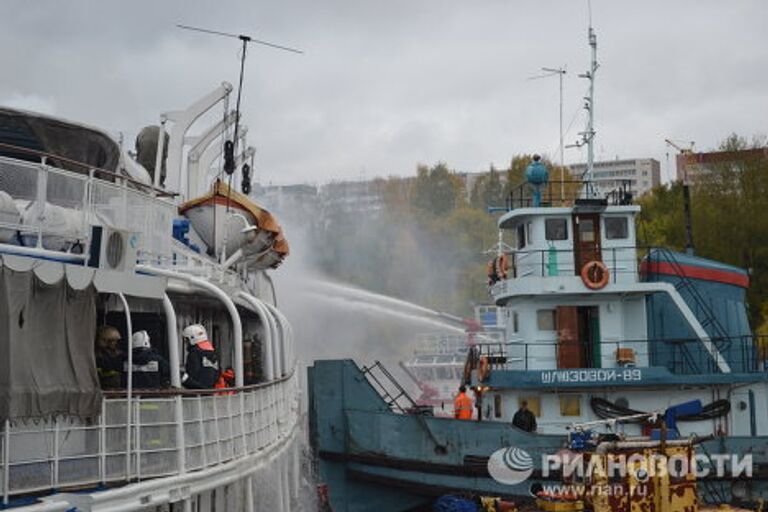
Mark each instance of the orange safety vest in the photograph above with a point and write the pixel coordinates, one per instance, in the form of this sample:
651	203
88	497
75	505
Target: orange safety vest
462	407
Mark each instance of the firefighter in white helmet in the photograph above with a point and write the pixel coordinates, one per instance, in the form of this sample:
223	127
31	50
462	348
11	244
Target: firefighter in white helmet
202	365
150	369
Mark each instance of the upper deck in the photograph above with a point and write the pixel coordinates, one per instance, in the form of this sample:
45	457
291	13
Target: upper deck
551	246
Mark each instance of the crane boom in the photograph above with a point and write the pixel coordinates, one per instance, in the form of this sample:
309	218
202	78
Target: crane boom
682	150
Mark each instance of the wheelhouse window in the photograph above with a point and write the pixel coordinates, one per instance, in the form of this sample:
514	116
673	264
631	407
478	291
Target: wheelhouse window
546	319
534	404
586	230
515	322
556	229
616	228
570	405
521	236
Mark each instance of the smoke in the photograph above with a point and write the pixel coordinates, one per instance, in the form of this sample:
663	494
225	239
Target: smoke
333	319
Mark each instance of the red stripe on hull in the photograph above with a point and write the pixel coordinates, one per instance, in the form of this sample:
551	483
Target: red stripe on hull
705	274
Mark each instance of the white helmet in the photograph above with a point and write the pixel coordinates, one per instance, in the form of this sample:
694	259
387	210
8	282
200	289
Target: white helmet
140	339
194	334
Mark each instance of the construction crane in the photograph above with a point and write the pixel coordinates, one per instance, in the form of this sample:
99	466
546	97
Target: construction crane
689	247
682	150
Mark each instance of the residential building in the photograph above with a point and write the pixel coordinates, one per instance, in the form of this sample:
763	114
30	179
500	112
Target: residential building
693	166
639	175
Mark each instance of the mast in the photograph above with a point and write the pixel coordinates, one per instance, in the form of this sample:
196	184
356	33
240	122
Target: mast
588	135
590	132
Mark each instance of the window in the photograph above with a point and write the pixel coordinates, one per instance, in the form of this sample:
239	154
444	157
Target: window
616	228
570	405
546	319
515	325
534	404
521	236
497	406
586	230
530	232
556	229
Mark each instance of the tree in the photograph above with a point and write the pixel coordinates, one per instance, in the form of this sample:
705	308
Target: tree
493	193
728	205
437	190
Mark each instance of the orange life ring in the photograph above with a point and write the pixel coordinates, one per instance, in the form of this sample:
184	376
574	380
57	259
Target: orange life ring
595	275
503	266
484	370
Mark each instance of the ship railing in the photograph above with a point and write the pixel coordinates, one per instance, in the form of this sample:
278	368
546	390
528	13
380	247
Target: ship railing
621	261
682	356
171	432
435	344
73	198
567	192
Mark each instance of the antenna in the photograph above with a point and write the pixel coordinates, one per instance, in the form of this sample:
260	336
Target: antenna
559	72
588	135
230	146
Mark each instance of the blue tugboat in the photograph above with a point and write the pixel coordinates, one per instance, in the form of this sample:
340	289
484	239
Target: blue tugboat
597	328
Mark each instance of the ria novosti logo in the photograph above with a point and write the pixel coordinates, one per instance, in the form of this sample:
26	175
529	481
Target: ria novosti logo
510	466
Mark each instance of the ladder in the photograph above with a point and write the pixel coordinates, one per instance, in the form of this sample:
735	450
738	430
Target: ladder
703	312
388	388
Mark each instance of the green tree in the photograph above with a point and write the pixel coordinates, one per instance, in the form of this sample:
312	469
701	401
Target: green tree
493	192
728	205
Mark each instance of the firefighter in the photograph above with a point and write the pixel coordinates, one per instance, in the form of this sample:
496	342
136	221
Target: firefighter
462	405
202	366
109	357
150	369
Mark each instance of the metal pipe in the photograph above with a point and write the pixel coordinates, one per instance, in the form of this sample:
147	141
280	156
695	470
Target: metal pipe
44	254
129	391
159	153
237	325
261	311
171	326
174	361
6	460
287	337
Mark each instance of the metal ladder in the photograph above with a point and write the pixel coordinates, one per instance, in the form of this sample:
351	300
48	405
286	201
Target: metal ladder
390	390
392	399
720	338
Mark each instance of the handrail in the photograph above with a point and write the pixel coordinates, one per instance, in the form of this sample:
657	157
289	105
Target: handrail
671	353
85	166
171	392
261	418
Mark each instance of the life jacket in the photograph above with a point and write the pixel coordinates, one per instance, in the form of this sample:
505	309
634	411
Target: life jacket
462	407
226	380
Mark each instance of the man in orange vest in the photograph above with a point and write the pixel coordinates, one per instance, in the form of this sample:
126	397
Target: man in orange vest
462	405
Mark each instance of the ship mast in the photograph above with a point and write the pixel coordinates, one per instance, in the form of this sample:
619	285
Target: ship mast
590	132
588	135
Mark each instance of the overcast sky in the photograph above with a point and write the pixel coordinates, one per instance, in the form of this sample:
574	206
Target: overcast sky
385	85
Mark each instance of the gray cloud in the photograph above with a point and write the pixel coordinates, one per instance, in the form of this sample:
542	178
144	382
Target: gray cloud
385	85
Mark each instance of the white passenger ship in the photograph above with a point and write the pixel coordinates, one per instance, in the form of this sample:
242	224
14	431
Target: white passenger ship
89	237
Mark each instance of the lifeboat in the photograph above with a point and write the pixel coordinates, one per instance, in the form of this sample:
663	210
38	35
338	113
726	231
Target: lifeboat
228	220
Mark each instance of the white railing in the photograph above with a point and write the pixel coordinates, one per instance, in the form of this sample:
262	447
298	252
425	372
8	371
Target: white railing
170	434
78	199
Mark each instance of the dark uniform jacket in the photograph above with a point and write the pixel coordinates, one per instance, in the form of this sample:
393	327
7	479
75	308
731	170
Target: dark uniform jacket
524	420
110	370
150	370
202	368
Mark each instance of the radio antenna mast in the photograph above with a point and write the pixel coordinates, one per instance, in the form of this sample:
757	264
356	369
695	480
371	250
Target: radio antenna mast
230	146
